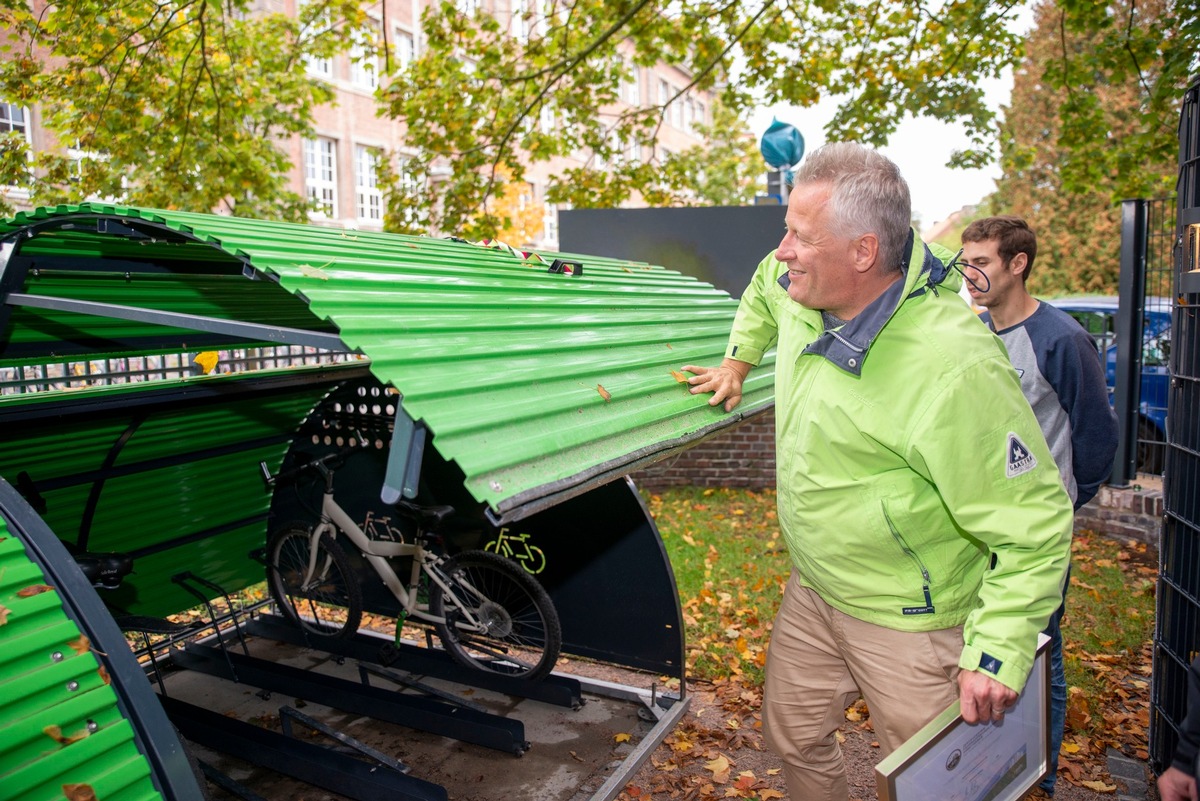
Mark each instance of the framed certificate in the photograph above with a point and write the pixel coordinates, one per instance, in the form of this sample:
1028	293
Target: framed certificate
951	760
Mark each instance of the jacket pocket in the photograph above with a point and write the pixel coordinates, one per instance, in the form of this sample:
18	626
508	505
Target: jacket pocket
917	563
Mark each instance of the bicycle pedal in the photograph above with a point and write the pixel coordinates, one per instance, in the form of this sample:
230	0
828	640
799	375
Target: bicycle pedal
388	654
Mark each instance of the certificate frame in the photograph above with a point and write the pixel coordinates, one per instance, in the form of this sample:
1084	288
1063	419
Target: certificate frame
952	760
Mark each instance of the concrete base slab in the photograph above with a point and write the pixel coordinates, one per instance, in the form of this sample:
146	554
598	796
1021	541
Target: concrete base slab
573	753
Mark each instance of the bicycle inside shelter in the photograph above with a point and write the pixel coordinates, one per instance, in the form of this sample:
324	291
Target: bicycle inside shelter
150	361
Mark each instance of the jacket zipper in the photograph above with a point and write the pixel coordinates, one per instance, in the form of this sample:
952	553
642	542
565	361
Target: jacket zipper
927	609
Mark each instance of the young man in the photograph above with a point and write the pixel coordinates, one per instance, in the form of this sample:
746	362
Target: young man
1063	379
922	570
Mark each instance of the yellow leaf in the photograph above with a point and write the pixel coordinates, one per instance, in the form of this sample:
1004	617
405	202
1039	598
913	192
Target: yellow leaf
207	361
719	767
622	737
1100	787
1070	748
680	377
313	272
767	795
604	393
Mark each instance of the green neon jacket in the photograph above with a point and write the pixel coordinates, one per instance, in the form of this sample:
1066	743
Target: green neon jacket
916	490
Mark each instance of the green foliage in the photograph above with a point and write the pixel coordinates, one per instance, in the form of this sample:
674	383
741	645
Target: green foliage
172	105
1086	128
187	105
480	98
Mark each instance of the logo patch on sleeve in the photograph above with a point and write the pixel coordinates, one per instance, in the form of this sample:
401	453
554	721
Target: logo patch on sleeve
1020	460
990	663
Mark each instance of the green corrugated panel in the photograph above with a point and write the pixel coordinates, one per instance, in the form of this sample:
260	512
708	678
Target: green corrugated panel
504	361
49	678
185	477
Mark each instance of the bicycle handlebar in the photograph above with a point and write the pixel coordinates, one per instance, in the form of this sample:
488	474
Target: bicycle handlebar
309	463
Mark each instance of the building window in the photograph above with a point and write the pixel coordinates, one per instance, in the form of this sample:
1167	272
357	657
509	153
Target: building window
14	118
406	47
467	7
364	57
631	84
321	26
522	19
549	224
320	175
368	198
546	118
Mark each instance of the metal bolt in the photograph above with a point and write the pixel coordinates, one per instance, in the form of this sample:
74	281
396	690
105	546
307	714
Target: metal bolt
93	726
57	656
72	685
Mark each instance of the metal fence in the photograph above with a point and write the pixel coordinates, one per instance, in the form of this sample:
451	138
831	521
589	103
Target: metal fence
1142	335
1177	618
79	374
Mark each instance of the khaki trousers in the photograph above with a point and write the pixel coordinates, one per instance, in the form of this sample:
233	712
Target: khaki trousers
820	660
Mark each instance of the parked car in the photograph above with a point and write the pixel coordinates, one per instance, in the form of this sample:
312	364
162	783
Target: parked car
1098	315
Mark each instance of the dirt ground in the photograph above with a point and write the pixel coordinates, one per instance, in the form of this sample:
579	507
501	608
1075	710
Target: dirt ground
666	776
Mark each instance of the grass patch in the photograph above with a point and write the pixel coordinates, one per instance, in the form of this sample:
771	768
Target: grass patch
731	566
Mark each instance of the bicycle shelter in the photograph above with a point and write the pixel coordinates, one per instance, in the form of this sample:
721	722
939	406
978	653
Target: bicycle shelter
518	387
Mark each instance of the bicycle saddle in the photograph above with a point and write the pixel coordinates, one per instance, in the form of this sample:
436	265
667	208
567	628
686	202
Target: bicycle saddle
428	517
105	570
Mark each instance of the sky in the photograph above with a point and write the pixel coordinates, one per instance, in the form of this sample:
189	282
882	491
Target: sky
919	147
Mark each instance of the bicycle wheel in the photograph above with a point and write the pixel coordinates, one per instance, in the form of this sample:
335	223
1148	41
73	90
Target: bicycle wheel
330	605
519	632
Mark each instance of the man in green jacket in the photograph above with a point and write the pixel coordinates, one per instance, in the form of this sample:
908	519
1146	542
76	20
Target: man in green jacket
928	528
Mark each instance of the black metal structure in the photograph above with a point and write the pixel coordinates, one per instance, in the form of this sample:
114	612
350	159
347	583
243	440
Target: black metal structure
1144	287
720	245
1177	622
630	619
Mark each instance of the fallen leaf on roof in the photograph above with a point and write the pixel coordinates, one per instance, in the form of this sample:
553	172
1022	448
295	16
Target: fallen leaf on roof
604	393
313	272
680	377
33	589
55	733
79	792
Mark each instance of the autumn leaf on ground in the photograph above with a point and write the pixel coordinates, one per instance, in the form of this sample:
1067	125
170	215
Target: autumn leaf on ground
622	737
33	589
719	768
604	393
1100	787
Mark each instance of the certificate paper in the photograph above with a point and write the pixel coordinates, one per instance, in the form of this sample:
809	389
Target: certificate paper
950	760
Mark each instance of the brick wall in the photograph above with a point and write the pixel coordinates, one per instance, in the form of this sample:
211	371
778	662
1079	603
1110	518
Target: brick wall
744	457
1133	512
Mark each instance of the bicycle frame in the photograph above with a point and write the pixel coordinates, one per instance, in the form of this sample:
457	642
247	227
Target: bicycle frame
377	554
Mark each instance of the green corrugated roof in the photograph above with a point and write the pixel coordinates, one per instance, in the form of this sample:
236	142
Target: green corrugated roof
535	384
60	722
